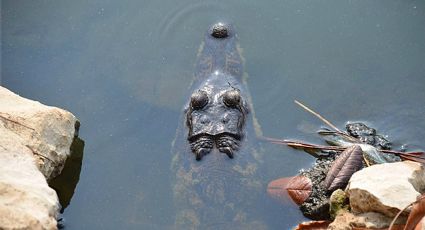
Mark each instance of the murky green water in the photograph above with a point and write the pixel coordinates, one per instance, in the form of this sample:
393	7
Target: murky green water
122	67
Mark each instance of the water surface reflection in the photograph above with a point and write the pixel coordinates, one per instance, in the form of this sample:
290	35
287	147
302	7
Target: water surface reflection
123	67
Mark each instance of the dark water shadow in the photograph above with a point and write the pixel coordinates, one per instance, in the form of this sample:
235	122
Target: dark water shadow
66	182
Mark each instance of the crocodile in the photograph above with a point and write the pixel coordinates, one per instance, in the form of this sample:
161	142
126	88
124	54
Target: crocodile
216	157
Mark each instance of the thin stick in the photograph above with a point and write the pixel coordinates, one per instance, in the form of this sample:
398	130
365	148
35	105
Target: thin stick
318	116
293	143
398	214
366	161
413	156
401	211
415	159
402	153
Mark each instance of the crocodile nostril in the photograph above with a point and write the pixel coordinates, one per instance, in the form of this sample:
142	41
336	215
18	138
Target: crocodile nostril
220	30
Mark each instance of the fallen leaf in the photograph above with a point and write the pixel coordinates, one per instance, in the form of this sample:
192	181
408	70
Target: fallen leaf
297	189
419	226
349	162
277	189
313	225
417	213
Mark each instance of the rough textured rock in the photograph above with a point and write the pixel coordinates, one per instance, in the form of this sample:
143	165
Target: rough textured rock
372	220
316	206
26	201
35	141
47	131
338	203
386	188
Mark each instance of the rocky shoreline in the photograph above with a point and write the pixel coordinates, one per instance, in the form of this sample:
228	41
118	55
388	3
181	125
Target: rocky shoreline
378	193
363	185
371	200
35	142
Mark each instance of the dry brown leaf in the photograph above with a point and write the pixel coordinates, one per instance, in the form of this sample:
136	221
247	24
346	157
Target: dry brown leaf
419	226
417	213
297	188
277	189
313	225
349	162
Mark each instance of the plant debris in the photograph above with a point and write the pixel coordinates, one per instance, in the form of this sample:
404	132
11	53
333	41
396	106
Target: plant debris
349	162
297	188
313	225
351	150
379	141
416	215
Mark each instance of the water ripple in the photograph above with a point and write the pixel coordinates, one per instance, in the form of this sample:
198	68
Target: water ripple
180	18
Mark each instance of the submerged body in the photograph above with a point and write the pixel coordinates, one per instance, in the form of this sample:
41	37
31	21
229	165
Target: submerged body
215	159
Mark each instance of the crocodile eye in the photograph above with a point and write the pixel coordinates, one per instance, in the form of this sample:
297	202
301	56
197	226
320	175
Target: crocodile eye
199	99
232	98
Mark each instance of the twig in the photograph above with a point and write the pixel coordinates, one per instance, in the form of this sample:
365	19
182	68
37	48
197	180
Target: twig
366	161
398	215
326	122
401	211
413	156
294	143
318	116
304	146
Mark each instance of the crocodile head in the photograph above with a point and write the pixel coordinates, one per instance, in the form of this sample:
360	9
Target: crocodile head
216	119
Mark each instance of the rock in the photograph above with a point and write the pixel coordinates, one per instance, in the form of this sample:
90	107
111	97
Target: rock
338	203
26	201
316	206
342	221
369	220
386	188
34	144
47	131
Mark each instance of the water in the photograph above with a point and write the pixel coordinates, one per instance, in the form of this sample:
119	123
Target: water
122	67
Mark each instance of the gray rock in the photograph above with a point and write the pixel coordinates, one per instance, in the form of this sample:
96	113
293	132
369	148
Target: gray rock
386	188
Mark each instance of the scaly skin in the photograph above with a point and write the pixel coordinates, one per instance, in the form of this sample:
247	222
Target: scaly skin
215	157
